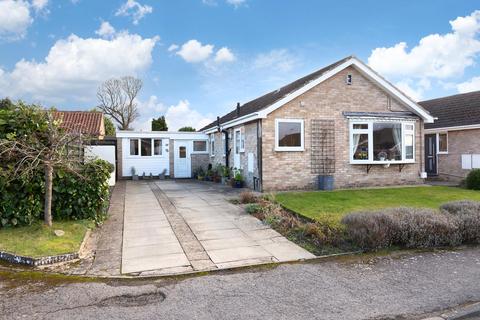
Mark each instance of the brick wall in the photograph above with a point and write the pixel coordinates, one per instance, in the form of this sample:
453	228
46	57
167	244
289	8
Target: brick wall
291	170
200	160
171	155
459	142
119	159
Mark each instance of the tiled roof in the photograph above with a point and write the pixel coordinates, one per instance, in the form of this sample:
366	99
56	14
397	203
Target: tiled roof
88	122
457	110
272	97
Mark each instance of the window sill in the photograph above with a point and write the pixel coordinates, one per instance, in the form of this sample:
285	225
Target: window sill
382	162
442	152
289	149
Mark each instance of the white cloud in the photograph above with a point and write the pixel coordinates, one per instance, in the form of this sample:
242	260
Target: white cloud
224	55
406	87
14	19
435	56
39	4
236	3
470	85
193	51
173	47
279	59
177	116
106	30
75	66
181	115
135	10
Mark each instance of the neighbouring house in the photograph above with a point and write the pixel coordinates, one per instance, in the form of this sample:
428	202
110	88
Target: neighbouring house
87	122
174	154
452	142
344	122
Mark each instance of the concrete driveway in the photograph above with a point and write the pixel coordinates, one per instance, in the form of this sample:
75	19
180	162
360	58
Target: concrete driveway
173	227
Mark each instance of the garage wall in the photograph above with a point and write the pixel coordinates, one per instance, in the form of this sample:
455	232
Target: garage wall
153	164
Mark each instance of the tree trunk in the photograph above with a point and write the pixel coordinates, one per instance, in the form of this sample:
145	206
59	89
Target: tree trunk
48	194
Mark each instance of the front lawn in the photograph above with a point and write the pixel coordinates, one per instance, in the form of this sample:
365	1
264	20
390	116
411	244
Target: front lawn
38	240
330	206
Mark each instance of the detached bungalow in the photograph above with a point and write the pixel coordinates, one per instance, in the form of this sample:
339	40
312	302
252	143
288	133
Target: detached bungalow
452	143
344	122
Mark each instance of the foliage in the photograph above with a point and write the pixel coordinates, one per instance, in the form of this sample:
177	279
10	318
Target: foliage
159	124
109	126
117	99
6	104
247	197
405	227
473	179
237	175
187	129
252	208
330	206
37	241
468	214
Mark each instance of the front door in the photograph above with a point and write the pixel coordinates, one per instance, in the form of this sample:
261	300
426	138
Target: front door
182	160
431	154
236	149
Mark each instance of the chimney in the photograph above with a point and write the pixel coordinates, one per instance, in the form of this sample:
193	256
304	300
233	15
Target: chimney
218	123
238	109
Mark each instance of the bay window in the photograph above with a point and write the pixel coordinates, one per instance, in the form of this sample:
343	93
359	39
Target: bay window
380	141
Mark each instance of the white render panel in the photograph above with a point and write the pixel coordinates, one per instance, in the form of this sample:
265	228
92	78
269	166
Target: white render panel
153	164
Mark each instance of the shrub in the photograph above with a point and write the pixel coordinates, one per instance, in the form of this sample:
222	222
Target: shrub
252	208
406	227
247	197
468	215
473	180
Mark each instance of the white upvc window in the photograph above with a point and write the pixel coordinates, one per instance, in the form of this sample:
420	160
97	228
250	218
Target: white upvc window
382	141
442	143
146	147
289	135
224	144
212	144
200	146
242	139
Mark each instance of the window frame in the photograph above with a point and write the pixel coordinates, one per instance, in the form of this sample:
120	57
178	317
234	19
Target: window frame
207	142
152	145
369	132
438	142
300	148
211	145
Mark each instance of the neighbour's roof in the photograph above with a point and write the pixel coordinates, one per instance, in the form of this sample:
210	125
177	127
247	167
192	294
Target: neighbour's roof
272	97
453	111
88	122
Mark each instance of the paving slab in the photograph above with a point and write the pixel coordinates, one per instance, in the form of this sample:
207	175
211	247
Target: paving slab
241	253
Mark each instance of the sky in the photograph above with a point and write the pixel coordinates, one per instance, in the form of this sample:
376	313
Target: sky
198	58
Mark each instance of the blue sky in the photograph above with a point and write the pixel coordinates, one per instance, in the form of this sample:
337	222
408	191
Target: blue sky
198	58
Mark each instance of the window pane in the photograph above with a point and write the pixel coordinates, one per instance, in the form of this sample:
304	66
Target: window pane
237	142
409	127
182	152
409	146
387	141
363	126
360	146
146	145
199	146
289	134
157	147
134	147
442	142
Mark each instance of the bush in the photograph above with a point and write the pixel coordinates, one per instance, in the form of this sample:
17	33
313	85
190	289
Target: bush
247	197
75	197
468	215
252	208
406	227
473	180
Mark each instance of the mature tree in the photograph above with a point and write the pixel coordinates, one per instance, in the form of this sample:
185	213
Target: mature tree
6	104
159	124
187	129
117	100
48	147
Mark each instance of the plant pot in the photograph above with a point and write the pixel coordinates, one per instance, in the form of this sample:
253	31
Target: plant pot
325	182
135	177
225	180
237	184
161	176
200	178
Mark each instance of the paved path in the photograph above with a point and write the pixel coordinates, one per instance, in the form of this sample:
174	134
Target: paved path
410	287
176	227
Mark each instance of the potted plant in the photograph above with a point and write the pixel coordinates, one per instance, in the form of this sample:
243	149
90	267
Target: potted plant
200	174
143	175
225	174
134	174
209	173
237	179
217	173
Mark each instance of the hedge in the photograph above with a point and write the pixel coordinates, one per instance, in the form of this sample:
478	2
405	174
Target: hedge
82	195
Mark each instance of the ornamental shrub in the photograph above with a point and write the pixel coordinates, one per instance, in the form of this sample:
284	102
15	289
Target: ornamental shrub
473	179
468	214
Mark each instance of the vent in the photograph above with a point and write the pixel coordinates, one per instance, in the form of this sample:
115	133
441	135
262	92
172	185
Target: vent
349	79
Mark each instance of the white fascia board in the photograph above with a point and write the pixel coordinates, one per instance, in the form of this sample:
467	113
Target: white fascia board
456	128
162	134
233	123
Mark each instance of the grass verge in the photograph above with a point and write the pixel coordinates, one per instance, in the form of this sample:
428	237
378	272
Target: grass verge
330	206
38	240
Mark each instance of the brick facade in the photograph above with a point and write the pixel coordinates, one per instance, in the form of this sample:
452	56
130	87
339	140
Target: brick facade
328	100
459	142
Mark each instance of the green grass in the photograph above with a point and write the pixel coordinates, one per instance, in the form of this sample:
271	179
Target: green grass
330	206
38	240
